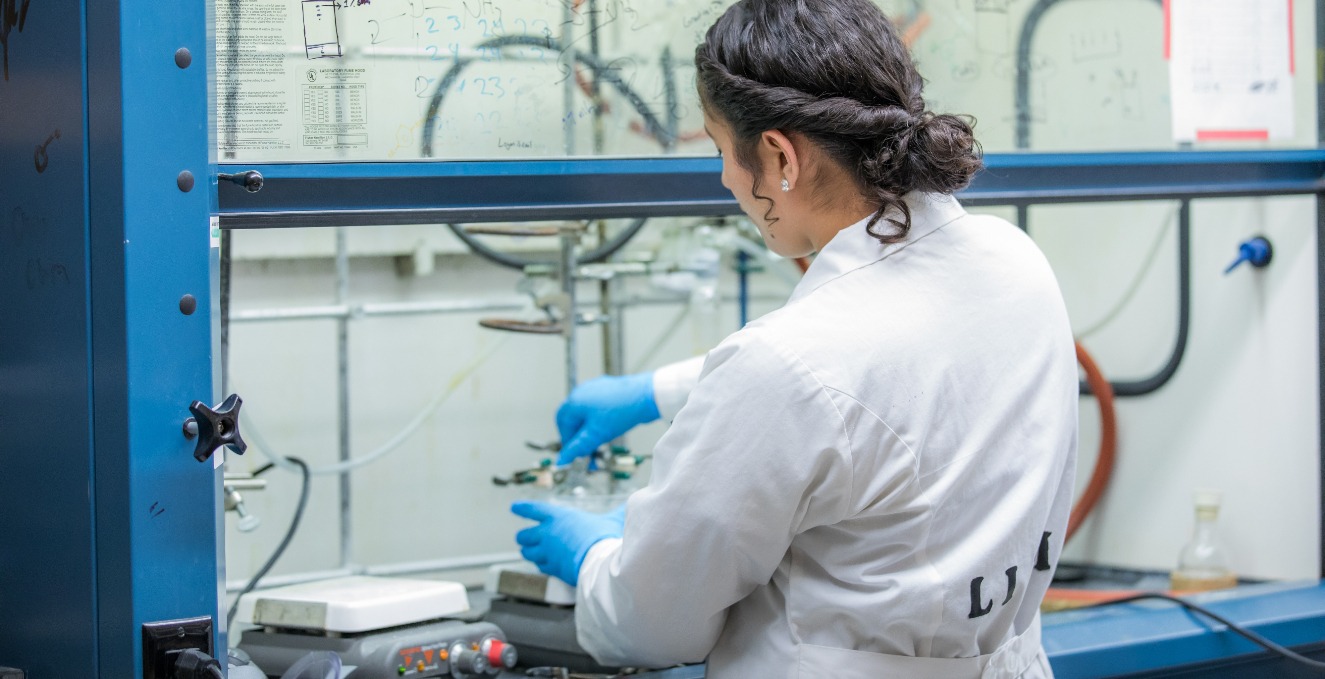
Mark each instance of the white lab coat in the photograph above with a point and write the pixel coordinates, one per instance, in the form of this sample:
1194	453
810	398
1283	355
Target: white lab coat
872	481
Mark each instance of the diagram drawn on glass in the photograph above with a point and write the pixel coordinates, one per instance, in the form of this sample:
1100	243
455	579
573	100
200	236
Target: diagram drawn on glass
399	80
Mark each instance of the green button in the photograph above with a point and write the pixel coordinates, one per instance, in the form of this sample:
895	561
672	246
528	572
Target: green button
402	670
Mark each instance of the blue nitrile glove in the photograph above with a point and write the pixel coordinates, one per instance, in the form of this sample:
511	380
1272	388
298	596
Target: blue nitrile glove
602	409
563	536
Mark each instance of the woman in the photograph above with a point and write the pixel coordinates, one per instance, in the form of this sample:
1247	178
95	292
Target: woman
874	480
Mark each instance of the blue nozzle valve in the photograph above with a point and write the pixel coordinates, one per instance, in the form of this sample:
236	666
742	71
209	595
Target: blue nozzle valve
1255	251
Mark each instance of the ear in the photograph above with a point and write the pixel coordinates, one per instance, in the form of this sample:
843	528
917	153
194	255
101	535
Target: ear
779	156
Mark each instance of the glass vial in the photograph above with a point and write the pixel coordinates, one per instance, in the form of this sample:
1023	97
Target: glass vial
1203	563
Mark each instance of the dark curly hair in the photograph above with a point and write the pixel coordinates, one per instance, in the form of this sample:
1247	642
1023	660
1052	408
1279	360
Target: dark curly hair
836	72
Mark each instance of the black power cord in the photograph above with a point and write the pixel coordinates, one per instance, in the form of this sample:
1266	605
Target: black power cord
285	542
1232	626
195	664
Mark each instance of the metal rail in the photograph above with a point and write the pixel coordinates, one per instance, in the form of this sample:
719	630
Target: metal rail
357	194
388	310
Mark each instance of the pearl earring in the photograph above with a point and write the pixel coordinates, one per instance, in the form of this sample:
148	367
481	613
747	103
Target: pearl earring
786	185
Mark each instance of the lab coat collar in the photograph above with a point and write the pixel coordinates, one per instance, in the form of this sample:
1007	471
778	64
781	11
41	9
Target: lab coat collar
853	247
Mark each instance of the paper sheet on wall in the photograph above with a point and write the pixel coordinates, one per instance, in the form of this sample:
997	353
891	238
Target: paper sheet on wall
1231	69
265	52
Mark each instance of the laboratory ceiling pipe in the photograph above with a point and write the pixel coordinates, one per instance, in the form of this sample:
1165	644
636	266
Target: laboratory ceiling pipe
343	394
571	316
1104	462
613	331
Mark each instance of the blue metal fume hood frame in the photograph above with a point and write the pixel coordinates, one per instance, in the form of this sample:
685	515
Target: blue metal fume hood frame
435	192
106	520
1139	640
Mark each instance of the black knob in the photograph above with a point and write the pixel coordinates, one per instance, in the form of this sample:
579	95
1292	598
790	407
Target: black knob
251	180
215	427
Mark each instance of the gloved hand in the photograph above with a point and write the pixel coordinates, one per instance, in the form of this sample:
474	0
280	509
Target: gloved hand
602	409
563	536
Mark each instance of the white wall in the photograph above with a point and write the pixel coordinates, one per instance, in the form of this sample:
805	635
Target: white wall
1241	413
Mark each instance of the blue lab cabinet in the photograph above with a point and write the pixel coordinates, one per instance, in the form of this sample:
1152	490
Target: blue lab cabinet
106	519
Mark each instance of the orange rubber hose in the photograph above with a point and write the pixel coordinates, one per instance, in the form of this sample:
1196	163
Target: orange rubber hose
1099	479
1057	598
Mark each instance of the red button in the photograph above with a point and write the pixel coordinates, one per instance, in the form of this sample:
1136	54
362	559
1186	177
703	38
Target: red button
495	648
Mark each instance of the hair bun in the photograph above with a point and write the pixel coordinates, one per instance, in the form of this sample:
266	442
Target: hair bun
944	154
855	93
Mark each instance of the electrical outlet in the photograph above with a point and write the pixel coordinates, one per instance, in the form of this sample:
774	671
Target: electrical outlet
162	641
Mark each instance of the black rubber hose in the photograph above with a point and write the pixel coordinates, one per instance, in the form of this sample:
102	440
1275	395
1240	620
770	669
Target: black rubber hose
665	135
1249	635
1157	381
1022	114
285	542
598	254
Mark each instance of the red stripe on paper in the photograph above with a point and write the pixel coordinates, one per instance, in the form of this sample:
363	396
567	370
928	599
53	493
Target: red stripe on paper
1232	135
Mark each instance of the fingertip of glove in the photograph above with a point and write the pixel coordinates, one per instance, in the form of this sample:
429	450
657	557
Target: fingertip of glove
580	445
568	453
528	509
